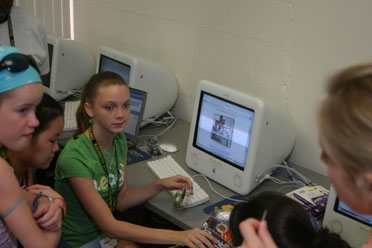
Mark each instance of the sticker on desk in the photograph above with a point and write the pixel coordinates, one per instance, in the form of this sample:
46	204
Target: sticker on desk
136	155
224	204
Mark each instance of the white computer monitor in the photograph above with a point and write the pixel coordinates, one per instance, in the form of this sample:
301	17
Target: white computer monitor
234	137
71	65
354	228
158	81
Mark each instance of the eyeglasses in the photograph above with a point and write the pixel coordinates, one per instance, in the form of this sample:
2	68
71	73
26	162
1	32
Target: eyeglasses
16	62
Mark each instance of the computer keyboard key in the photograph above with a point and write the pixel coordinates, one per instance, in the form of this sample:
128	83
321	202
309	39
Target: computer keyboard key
70	115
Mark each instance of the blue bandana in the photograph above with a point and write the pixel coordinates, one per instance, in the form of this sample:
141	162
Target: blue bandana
11	80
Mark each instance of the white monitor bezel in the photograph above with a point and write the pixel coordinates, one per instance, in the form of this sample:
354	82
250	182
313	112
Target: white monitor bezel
120	58
353	231
228	175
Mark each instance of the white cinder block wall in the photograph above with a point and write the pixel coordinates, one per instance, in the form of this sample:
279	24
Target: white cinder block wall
282	50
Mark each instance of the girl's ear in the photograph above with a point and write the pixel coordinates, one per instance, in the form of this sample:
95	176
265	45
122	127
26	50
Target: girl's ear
88	109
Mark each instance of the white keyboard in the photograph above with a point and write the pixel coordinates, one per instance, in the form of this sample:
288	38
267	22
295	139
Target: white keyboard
168	167
70	117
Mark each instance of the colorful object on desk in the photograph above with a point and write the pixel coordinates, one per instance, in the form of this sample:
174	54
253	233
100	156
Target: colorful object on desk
313	199
224	204
135	155
219	229
179	196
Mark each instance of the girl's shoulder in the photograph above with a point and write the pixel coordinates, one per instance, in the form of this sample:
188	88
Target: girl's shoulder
80	145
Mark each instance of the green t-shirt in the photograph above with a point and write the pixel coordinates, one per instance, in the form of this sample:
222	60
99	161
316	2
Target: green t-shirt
79	159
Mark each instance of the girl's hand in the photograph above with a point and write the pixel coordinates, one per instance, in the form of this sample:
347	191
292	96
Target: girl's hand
46	190
196	238
48	215
175	183
256	234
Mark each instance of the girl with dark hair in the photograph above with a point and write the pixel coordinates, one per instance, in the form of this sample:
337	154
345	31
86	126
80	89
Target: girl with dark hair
38	154
91	175
287	221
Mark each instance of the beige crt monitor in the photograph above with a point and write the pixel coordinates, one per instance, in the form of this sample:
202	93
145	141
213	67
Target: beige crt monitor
234	137
158	81
339	218
72	63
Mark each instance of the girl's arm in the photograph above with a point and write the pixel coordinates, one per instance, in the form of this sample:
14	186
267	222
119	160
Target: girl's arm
20	221
128	198
49	215
97	208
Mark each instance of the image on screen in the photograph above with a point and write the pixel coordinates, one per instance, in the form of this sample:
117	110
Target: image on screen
136	102
109	64
223	129
342	208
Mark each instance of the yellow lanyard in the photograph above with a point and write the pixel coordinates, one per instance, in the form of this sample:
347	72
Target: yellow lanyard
11	34
112	200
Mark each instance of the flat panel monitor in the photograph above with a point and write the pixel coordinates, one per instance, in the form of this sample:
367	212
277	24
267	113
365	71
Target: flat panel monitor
137	107
235	136
353	227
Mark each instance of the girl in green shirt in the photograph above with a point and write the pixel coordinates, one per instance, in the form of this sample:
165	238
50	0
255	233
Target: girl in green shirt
91	175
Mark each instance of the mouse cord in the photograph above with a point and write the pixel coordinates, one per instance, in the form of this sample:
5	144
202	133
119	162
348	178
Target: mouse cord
166	130
215	191
172	120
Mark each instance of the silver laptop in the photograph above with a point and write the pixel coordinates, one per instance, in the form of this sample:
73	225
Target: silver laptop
137	107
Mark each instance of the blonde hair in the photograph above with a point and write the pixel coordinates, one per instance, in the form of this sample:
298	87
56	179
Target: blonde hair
345	119
89	94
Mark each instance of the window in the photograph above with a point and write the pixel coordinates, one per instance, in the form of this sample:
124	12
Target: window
56	15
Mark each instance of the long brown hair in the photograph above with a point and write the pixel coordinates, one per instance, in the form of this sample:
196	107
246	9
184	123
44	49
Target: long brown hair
89	94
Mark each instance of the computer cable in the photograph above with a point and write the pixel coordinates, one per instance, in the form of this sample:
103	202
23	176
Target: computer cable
168	121
215	191
263	175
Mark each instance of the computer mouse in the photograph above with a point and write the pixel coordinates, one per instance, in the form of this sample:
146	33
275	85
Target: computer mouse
168	147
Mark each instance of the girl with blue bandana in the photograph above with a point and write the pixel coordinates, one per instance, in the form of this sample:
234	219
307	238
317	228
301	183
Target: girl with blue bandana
20	93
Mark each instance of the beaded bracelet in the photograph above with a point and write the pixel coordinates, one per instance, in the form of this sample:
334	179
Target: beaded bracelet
63	208
35	203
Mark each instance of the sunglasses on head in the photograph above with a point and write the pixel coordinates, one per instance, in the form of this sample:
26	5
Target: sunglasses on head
16	62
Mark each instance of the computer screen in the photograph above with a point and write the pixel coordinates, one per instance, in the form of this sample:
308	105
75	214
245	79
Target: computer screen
353	227
109	64
71	65
46	78
223	129
234	136
137	105
343	209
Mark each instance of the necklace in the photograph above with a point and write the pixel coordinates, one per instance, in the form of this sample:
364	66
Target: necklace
112	195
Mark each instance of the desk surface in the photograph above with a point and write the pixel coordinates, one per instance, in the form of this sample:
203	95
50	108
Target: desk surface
139	175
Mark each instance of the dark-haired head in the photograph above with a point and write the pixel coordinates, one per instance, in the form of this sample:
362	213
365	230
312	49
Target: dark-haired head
47	110
288	223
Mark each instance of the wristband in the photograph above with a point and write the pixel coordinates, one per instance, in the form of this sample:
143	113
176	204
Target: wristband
35	203
64	205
